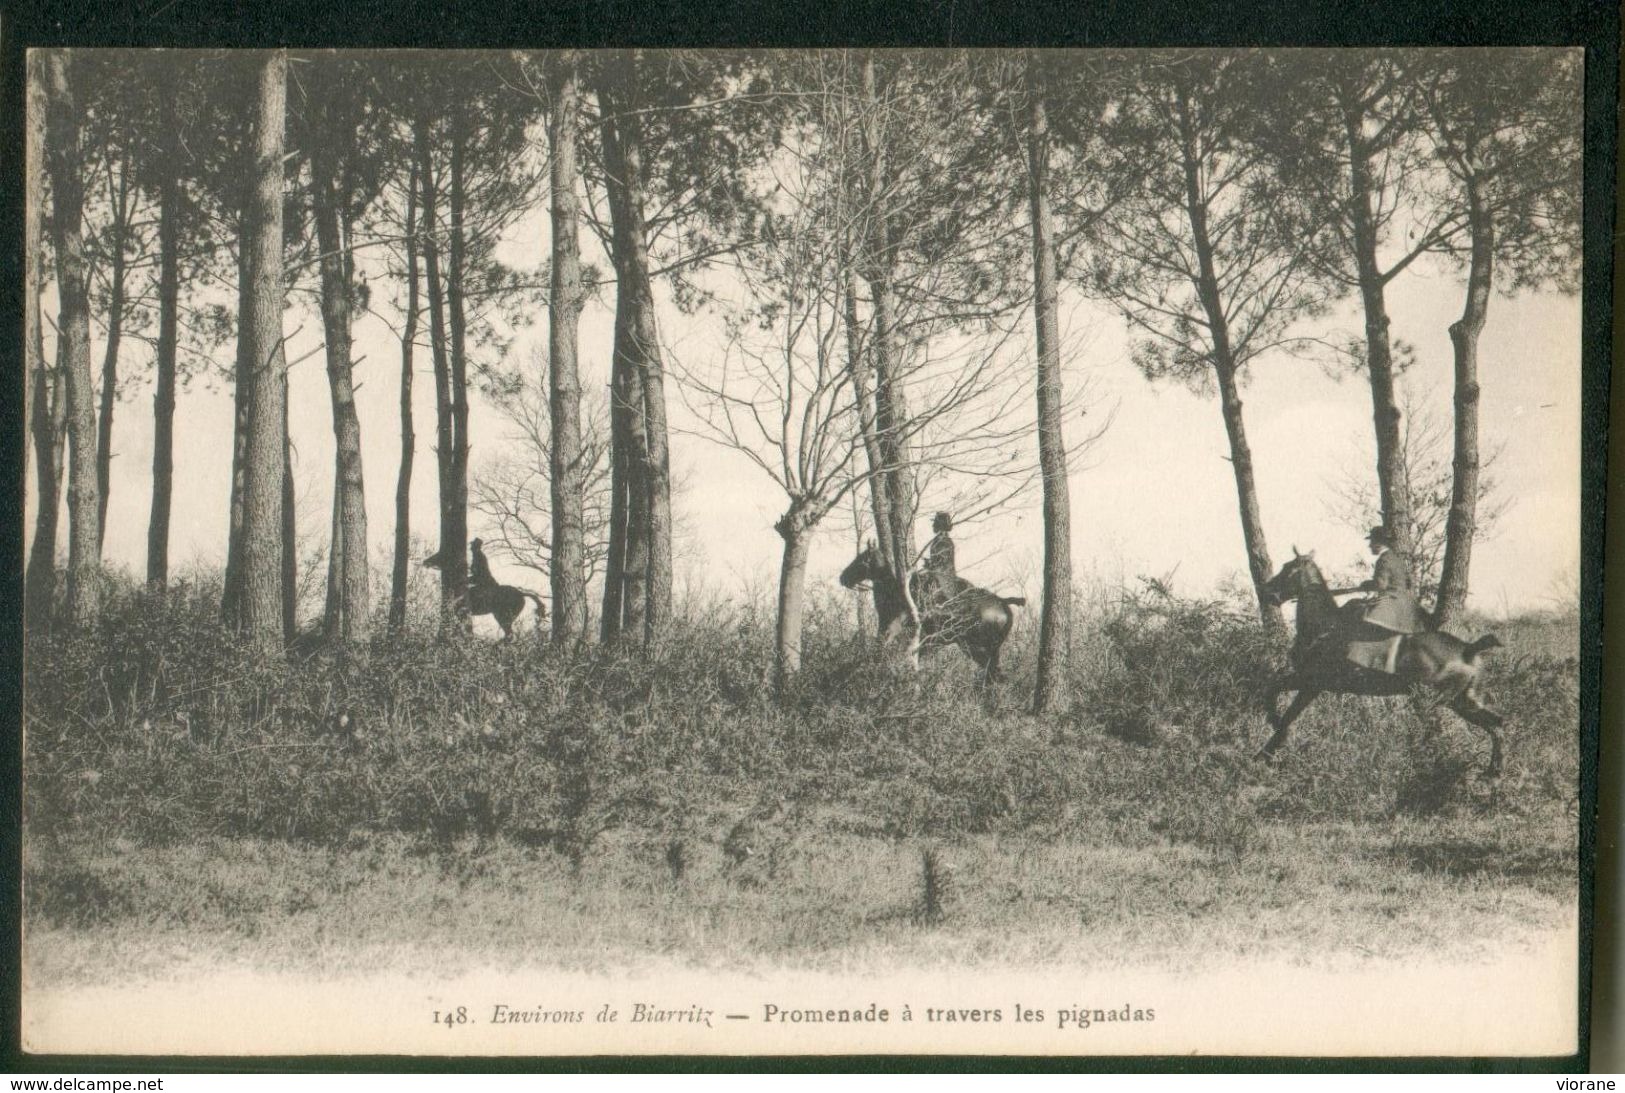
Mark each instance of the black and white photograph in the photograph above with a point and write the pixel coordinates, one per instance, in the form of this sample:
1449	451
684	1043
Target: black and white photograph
841	551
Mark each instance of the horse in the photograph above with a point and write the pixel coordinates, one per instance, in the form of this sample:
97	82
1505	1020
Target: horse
972	618
486	597
1432	662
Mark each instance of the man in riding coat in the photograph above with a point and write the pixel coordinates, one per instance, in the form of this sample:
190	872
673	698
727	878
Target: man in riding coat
1394	607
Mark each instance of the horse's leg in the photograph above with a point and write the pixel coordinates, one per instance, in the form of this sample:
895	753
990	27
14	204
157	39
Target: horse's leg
987	659
892	630
1283	722
1425	704
505	614
978	657
1468	709
1272	697
989	685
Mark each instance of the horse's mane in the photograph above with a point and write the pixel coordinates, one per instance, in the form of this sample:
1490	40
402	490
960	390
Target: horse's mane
1316	594
883	584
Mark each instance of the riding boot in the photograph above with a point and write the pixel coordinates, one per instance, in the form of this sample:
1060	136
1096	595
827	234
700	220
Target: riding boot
1393	653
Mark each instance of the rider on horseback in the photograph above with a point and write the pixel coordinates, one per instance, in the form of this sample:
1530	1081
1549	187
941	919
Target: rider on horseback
1330	638
939	582
484	595
480	580
972	618
1393	609
479	570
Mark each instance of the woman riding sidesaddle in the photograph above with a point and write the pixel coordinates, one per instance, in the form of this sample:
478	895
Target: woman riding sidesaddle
939	581
1393	610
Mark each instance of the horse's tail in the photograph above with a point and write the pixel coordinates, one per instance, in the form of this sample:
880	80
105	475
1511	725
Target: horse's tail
1013	601
541	608
1482	645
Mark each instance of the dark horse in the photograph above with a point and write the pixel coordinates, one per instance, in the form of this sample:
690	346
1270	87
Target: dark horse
486	597
972	618
1435	663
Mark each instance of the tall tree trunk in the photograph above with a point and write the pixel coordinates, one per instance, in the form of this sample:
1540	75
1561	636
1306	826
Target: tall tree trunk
290	539
67	189
891	427
231	601
638	341
333	598
1252	521
626	391
115	329
47	406
1391	484
40	582
454	566
793	527
403	481
891	407
59	430
349	611
454	529
59	444
1462	522
858	366
860	613
1225	370
626	571
566	472
609	616
1055	624
263	611
163	399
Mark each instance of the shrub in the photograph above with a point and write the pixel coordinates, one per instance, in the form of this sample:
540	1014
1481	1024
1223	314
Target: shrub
161	726
1183	666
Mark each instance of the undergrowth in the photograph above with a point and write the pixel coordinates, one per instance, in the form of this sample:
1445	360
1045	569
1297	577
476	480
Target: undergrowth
160	726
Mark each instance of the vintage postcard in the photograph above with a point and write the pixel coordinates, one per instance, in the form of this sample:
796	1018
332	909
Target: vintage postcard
848	551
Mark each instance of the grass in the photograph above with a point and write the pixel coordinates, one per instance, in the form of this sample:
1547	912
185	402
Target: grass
436	801
110	912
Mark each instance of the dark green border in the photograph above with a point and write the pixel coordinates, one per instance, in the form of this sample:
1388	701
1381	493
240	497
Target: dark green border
1593	24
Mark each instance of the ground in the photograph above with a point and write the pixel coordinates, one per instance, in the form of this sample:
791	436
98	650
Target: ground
1337	904
207	827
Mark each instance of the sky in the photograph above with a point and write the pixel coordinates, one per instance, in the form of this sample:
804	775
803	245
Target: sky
1154	496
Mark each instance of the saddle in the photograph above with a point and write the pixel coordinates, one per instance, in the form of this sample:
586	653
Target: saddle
938	596
480	597
1366	645
1381	655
